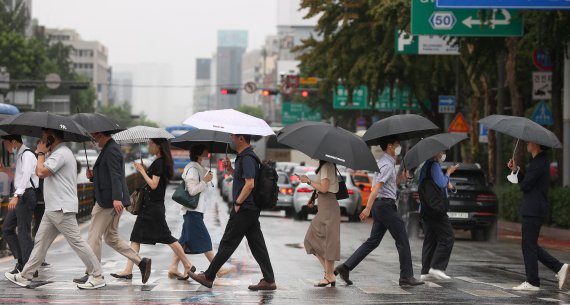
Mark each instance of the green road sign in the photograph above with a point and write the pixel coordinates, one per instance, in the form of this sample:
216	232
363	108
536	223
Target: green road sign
295	112
427	19
398	99
405	43
359	98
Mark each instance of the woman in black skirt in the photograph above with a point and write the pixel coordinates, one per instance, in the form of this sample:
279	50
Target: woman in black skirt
151	227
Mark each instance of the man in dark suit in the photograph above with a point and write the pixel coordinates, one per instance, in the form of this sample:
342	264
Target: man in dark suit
112	196
534	208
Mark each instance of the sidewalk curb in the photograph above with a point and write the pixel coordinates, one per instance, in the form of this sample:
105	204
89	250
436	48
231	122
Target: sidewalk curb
545	232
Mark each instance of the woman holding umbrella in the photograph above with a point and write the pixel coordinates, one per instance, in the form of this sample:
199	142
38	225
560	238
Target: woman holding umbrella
323	237
151	227
195	238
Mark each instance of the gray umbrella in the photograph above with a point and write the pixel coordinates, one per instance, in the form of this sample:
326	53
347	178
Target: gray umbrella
217	142
97	122
329	143
521	128
429	147
404	126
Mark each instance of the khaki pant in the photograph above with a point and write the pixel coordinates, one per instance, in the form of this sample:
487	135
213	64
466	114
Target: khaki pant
105	223
53	223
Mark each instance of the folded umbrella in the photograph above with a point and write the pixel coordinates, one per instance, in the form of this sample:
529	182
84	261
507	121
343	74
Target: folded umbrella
141	134
97	122
229	121
429	147
32	124
521	128
329	143
403	126
217	142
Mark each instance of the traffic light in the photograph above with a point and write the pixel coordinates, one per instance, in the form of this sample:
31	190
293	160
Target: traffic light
268	92
305	93
228	91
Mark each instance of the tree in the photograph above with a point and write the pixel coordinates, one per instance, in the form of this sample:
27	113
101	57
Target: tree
14	19
122	114
251	110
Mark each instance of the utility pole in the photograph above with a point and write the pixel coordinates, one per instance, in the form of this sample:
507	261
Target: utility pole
500	110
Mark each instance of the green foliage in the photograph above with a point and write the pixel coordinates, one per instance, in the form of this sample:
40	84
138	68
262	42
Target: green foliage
560	206
253	111
24	58
123	116
509	198
15	20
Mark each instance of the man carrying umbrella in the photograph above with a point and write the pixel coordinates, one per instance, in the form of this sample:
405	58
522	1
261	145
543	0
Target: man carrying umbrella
111	193
534	208
382	205
57	165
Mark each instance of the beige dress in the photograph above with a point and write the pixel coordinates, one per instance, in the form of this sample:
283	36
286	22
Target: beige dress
323	235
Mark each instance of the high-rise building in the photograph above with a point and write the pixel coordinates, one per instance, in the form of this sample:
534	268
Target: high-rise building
202	88
231	46
251	71
89	58
122	88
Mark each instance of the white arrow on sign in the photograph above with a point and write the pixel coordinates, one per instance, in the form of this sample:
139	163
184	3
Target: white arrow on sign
470	22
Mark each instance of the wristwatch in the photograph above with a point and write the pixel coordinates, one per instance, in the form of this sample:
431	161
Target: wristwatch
16	196
238	204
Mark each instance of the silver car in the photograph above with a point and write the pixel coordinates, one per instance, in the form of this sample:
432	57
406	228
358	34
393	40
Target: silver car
285	197
349	207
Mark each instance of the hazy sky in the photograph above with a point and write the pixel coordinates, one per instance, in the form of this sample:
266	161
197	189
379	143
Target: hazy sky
173	32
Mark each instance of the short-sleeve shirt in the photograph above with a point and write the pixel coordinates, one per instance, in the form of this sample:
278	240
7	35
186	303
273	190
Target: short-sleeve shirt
245	168
387	175
60	189
328	171
158	168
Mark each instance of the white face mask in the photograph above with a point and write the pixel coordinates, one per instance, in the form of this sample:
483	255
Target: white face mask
513	177
398	150
442	158
14	150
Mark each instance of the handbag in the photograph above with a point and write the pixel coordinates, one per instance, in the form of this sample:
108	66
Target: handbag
182	197
137	199
313	199
342	190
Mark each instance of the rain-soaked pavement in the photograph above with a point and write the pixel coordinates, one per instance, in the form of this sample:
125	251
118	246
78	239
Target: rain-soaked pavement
482	273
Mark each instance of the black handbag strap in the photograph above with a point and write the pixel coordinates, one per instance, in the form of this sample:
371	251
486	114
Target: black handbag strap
339	175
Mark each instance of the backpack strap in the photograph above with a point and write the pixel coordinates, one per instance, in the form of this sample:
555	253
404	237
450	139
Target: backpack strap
428	171
22	158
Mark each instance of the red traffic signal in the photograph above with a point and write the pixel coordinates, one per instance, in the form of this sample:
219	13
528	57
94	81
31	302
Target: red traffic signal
228	91
305	93
268	92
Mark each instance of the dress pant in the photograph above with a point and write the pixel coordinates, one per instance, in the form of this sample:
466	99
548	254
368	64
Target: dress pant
244	223
17	227
386	218
38	215
438	242
533	253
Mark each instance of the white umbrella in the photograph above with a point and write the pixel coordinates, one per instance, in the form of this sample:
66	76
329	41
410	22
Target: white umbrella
140	134
229	121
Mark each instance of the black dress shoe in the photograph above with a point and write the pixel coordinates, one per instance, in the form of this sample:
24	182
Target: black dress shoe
202	279
120	276
344	273
410	282
81	280
321	284
145	266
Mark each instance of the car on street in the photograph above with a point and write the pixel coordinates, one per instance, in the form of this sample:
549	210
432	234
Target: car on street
350	207
92	155
227	188
473	207
300	170
364	183
286	167
285	196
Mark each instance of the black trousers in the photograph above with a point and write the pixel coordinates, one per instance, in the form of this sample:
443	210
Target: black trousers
245	223
38	215
17	227
533	253
386	218
438	242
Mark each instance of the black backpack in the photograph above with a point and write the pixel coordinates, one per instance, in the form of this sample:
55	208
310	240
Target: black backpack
39	189
434	202
266	191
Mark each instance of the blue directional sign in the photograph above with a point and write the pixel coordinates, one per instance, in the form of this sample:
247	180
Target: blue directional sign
542	115
507	4
483	134
447	104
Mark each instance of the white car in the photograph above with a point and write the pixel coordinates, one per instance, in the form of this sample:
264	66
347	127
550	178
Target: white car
349	207
92	155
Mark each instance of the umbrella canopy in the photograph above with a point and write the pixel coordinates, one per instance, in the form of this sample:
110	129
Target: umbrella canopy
429	147
97	122
404	126
521	128
217	142
329	143
140	134
229	121
32	123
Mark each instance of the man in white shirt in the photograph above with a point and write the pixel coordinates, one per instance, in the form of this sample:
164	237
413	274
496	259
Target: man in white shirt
18	223
58	167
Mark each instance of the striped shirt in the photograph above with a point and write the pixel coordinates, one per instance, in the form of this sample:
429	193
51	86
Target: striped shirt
387	175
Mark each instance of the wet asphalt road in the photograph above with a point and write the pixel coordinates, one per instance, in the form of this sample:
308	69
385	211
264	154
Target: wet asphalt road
482	272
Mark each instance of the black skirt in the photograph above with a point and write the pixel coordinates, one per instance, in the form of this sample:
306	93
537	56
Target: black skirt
151	227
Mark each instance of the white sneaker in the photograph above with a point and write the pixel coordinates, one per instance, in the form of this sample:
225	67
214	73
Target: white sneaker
526	287
18	279
426	277
93	283
563	276
438	274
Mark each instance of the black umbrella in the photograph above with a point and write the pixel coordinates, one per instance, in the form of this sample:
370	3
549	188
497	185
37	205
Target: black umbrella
404	126
217	142
329	143
97	122
521	128
429	147
32	123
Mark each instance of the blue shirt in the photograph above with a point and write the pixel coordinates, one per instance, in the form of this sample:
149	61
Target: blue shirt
437	175
245	168
387	175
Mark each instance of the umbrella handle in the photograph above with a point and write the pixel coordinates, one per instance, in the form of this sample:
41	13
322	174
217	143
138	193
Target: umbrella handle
515	150
86	160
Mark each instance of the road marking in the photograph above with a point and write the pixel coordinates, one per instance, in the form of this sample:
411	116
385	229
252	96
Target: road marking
551	300
383	290
468	279
489	293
